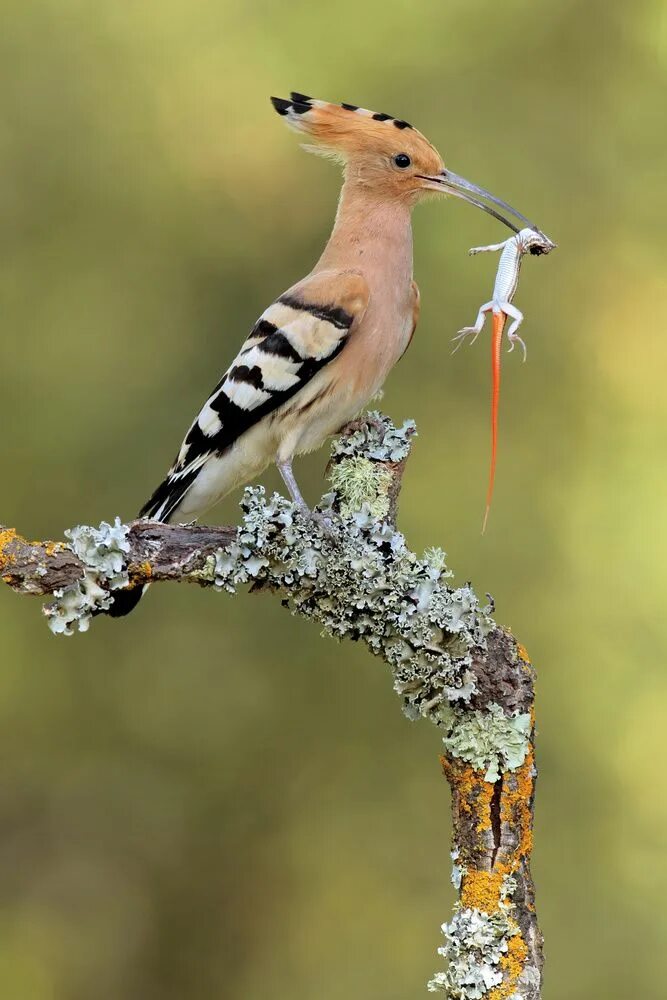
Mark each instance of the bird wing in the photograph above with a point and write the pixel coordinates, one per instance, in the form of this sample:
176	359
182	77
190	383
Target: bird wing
300	333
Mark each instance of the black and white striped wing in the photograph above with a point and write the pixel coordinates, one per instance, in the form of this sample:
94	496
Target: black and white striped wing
291	342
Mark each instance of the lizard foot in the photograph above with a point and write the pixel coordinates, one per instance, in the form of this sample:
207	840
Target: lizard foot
515	339
467	331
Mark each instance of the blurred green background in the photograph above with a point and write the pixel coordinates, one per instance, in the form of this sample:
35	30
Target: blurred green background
208	799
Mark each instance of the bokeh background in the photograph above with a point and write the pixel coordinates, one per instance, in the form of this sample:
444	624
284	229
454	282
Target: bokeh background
208	800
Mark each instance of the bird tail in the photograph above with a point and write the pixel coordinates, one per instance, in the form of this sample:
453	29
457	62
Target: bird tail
125	601
160	507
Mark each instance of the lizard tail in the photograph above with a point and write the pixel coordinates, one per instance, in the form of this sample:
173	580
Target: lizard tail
496	343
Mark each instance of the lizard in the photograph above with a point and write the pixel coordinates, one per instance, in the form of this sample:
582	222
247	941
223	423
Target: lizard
528	240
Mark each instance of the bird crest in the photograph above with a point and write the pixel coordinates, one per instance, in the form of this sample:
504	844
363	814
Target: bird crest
349	131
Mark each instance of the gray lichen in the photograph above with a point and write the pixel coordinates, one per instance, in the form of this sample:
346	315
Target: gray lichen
458	871
102	551
376	438
359	580
356	577
475	942
488	740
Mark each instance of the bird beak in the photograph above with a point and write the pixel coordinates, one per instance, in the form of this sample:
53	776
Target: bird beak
450	183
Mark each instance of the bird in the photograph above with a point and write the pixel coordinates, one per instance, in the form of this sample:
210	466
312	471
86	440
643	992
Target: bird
323	348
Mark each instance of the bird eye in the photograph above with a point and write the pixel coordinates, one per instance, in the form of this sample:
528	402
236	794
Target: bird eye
402	160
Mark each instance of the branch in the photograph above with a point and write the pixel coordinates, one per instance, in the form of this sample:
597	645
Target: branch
350	569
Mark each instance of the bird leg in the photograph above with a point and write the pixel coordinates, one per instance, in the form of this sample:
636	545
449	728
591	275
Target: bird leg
285	470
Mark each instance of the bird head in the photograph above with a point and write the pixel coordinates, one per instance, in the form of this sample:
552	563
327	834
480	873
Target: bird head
385	154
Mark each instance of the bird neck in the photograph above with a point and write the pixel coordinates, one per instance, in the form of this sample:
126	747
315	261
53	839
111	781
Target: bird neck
372	232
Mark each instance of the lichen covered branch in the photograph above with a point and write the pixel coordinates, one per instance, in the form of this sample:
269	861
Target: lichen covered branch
349	568
493	943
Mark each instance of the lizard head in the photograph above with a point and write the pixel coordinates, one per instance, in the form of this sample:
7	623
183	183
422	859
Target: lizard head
385	154
535	242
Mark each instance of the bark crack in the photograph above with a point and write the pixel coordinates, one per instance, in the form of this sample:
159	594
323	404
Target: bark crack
496	824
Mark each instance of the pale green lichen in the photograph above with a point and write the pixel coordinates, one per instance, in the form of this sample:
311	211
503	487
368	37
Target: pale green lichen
436	558
207	573
359	580
475	942
358	481
487	740
102	551
376	438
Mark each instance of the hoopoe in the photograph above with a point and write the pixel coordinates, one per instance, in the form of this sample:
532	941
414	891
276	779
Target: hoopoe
325	347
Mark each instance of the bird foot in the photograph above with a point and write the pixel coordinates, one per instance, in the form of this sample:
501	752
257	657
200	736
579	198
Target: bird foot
325	522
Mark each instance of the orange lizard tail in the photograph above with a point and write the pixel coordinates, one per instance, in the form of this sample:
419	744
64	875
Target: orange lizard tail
496	343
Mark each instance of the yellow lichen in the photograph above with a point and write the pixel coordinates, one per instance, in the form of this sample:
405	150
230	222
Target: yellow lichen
512	964
7	536
515	806
523	653
138	574
481	890
473	793
484	796
486	890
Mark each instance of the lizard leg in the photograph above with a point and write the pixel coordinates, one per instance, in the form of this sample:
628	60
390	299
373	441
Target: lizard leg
475	330
491	246
517	316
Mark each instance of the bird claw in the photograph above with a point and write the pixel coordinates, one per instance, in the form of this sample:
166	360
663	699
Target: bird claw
324	522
